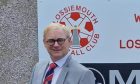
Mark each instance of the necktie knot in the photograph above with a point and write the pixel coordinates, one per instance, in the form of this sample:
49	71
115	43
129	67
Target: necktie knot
53	65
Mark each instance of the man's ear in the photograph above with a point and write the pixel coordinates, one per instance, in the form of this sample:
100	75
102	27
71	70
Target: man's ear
69	39
44	42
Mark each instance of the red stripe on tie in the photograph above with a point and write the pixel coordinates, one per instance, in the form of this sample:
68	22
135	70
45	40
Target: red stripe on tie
49	75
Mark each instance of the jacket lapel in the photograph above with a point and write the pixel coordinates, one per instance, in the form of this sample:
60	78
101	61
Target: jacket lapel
64	72
62	76
41	73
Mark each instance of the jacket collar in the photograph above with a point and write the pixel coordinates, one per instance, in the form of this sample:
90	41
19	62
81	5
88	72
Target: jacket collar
64	72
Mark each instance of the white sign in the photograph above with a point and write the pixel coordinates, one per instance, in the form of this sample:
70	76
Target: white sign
108	30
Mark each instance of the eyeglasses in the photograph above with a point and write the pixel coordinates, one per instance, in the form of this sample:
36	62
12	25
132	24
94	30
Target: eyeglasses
60	41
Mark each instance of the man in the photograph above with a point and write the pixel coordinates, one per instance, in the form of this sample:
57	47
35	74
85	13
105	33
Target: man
65	70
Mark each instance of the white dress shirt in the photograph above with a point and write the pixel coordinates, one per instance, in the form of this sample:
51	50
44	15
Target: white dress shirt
58	69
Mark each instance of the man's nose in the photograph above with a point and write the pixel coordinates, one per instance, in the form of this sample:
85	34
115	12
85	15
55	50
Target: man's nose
56	43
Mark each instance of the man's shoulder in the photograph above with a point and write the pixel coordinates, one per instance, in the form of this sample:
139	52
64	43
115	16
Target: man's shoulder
79	69
77	66
41	64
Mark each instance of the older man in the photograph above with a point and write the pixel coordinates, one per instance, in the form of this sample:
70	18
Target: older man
61	69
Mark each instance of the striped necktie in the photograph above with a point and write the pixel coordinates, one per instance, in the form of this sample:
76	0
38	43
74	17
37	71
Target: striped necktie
49	75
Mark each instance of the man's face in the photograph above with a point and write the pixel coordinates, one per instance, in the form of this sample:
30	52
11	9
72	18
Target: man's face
57	44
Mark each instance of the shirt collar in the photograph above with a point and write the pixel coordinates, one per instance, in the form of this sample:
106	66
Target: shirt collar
61	62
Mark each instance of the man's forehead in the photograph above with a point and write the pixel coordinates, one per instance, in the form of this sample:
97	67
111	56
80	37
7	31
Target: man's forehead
58	31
